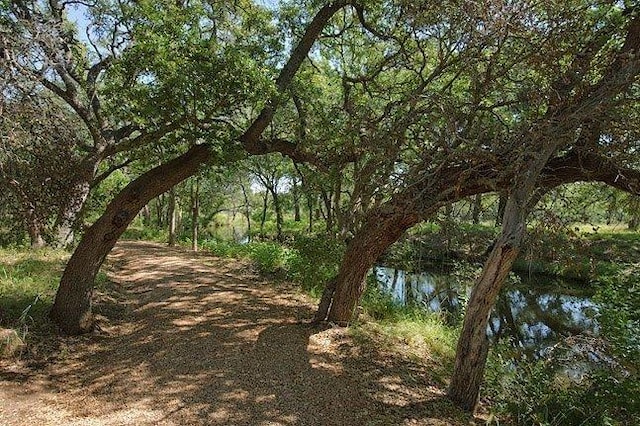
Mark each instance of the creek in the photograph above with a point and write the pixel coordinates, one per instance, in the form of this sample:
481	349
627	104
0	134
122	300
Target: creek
532	315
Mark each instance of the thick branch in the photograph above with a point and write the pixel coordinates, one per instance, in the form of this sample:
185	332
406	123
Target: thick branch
251	137
102	176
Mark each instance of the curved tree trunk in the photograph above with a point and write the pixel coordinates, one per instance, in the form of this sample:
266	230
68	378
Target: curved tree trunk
72	307
378	233
473	344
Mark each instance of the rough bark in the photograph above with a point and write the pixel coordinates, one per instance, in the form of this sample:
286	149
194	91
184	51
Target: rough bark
473	345
72	307
328	218
71	211
325	300
377	234
34	228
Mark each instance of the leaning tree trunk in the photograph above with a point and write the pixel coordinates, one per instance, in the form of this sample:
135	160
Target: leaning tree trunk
473	344
380	231
72	307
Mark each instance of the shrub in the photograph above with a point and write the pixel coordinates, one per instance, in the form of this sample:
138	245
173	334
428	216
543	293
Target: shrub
317	261
583	380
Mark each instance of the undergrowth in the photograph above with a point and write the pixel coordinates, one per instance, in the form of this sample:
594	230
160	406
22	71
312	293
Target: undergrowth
28	281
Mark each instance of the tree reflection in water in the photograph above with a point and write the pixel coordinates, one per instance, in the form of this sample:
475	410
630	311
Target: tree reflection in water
533	315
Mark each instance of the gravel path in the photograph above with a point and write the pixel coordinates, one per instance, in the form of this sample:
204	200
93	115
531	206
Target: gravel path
190	339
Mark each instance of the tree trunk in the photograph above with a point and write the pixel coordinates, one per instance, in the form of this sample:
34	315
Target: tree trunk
634	212
247	210
295	192
146	215
159	208
326	198
34	228
477	208
310	207
72	306
381	230
278	208
173	217
195	213
71	212
263	218
473	344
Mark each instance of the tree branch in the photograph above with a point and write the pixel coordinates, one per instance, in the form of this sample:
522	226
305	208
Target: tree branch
251	136
102	176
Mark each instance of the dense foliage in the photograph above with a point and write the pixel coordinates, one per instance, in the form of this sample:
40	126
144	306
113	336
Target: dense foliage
322	133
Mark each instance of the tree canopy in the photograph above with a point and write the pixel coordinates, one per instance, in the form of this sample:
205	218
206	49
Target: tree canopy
385	112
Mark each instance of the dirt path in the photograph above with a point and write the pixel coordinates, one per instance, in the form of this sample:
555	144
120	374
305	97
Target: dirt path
196	340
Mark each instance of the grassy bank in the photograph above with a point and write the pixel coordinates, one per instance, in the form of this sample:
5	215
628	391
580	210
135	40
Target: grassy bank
527	392
577	253
28	281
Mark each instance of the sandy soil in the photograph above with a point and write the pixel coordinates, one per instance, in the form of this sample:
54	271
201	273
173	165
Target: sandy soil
190	339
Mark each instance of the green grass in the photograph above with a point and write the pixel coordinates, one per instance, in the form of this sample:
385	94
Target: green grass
28	282
140	232
425	333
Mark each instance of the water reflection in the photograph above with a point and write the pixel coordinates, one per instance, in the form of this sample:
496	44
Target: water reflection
532	316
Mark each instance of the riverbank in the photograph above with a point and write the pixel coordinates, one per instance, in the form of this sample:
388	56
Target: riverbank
579	253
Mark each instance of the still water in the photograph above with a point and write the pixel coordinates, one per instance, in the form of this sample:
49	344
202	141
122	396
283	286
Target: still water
532	315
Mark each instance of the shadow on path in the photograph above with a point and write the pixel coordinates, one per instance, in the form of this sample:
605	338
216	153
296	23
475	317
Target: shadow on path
190	339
